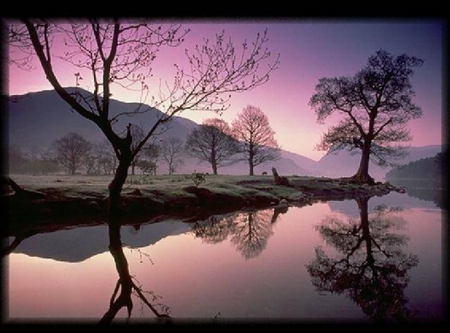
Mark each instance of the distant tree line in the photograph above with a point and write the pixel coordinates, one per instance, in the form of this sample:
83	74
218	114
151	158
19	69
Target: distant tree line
250	139
427	170
73	154
32	160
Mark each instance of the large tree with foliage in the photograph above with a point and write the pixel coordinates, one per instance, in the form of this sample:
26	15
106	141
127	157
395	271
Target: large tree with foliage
212	142
114	54
375	104
257	138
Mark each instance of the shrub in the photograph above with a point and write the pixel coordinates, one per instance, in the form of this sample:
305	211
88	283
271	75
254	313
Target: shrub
197	178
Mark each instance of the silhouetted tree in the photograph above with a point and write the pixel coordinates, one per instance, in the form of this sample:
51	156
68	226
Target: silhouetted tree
116	54
172	151
71	151
212	142
257	139
147	167
376	103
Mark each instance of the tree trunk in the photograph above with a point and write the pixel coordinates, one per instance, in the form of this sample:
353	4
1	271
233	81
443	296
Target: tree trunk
124	283
362	175
214	167
364	217
250	164
115	242
250	160
114	200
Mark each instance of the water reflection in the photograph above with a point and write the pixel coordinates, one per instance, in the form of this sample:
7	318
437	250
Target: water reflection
423	190
18	239
223	265
370	265
125	286
248	231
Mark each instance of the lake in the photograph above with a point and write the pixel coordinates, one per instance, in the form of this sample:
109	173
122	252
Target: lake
377	259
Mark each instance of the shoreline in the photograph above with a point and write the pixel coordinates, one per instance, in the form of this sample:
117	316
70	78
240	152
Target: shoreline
48	208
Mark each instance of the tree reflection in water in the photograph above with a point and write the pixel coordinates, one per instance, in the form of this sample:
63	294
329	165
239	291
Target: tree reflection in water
249	231
370	266
125	286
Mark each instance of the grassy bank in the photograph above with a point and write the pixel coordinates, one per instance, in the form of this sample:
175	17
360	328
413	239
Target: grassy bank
71	200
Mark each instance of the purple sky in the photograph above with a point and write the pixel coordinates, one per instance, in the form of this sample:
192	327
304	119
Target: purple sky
309	50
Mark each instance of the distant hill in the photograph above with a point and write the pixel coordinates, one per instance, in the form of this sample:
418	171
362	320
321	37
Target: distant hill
427	170
37	119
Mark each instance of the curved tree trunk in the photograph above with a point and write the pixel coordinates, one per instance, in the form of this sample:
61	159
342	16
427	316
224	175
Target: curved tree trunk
114	200
115	243
123	291
125	282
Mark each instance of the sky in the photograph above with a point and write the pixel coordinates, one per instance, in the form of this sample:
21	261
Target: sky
309	49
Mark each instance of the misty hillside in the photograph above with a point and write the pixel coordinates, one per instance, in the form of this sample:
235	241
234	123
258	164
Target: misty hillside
37	119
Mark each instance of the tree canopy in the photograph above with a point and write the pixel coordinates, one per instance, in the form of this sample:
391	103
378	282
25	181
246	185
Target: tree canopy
257	139
212	142
375	104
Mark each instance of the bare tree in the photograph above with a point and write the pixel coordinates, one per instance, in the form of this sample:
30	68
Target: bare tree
117	54
258	143
376	103
212	142
71	151
172	151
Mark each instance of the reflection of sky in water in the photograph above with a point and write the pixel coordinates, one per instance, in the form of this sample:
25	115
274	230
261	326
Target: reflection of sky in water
198	279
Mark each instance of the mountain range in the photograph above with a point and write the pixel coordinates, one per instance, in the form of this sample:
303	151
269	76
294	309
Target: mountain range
37	119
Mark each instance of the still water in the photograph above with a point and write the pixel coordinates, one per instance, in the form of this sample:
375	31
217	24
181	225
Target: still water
379	259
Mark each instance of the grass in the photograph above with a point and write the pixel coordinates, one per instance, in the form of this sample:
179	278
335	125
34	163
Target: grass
172	187
160	187
94	183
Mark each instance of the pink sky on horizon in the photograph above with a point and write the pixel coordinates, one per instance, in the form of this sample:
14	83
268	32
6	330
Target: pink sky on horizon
309	50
